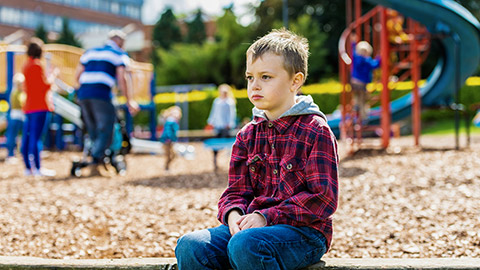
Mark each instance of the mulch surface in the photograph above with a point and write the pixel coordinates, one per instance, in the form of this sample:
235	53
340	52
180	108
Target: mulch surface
404	202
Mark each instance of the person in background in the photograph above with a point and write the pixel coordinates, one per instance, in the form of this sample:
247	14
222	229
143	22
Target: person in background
37	87
396	37
172	116
223	114
100	68
395	30
363	66
276	212
16	116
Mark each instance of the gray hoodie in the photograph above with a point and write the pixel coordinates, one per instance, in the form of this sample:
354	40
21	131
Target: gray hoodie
303	105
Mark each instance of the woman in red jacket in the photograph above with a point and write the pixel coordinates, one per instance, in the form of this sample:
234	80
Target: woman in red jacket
36	108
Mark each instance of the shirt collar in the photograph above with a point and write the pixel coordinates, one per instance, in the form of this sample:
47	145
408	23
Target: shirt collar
281	124
112	44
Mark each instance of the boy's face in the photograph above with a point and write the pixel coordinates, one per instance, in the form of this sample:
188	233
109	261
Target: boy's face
364	52
270	87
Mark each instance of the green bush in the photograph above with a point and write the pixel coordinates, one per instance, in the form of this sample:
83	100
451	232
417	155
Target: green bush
198	111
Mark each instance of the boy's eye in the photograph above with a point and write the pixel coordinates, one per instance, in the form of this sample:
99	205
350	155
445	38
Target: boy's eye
248	78
266	77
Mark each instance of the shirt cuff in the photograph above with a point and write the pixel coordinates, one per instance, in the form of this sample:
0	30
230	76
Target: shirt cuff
269	214
260	213
225	216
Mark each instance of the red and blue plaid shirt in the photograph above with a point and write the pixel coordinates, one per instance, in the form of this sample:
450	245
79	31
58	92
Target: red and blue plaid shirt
285	170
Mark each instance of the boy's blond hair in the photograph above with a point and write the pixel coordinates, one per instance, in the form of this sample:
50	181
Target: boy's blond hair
364	48
171	110
291	46
18	79
227	88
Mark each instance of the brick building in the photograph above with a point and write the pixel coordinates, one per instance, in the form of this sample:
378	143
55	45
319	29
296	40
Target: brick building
90	20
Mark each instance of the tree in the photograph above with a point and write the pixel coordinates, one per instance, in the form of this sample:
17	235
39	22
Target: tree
67	36
196	29
41	33
166	31
233	40
309	28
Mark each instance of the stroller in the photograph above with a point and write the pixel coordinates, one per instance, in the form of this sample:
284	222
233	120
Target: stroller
114	155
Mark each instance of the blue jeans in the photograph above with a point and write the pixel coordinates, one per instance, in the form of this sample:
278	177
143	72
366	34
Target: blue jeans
271	247
13	128
31	142
99	118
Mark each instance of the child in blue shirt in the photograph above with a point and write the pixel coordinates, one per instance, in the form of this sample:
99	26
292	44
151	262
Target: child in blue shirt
170	129
363	66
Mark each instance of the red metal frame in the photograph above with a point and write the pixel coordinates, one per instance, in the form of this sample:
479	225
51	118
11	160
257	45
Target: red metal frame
385	65
410	56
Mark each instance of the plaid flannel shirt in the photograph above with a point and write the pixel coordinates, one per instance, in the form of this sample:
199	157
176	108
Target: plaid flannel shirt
285	170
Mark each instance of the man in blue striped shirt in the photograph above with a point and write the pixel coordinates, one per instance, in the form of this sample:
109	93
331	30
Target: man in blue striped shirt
99	70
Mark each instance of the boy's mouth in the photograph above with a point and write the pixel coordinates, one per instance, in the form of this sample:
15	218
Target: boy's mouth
256	97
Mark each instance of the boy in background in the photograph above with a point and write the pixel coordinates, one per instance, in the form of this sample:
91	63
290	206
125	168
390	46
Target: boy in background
283	177
363	66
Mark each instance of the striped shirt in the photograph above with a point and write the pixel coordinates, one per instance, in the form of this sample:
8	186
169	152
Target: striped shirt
99	75
286	170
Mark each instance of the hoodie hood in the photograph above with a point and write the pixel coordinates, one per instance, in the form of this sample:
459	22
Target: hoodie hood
303	105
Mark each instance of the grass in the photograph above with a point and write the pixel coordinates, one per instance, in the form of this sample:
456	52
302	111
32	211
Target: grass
446	126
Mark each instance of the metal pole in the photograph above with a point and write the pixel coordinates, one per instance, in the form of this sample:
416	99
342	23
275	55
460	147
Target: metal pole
10	71
385	95
152	109
358	14
349	16
416	108
285	13
457	106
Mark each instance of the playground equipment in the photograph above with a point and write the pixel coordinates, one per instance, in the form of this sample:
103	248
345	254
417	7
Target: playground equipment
459	33
66	58
216	144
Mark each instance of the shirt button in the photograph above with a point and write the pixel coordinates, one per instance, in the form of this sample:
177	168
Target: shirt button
252	169
270	124
275	171
289	166
273	147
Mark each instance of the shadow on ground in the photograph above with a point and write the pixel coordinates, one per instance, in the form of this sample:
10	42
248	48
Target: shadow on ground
185	181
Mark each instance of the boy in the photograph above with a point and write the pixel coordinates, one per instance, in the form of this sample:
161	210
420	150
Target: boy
276	211
363	66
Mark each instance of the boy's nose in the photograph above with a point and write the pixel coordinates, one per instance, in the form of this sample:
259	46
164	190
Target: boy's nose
255	85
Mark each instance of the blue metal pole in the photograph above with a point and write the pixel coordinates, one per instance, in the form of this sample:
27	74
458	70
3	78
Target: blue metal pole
285	13
152	110
10	71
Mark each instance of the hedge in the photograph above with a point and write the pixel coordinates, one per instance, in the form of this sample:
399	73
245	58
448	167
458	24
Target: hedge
326	96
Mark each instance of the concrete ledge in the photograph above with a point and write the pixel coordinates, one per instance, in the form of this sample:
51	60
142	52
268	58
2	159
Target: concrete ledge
7	262
170	263
397	264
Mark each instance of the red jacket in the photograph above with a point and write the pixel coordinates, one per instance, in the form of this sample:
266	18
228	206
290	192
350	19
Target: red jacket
36	87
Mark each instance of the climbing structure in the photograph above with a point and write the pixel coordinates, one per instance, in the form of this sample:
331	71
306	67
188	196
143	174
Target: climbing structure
456	30
400	61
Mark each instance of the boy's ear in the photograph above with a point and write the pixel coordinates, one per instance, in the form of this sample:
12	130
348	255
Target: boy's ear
297	82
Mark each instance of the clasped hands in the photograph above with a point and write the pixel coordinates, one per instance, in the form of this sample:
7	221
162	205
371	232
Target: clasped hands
238	222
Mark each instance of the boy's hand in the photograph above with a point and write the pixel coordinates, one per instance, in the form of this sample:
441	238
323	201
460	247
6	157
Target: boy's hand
233	218
254	220
133	107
